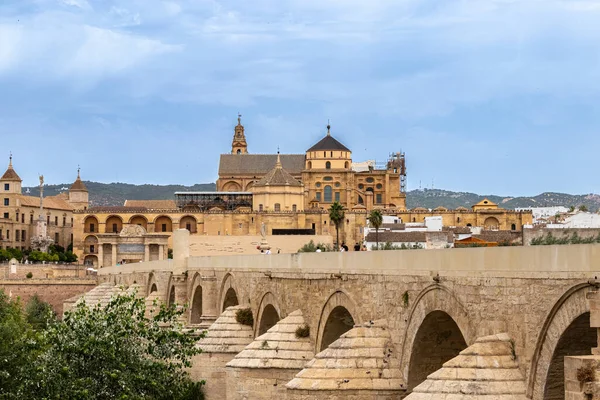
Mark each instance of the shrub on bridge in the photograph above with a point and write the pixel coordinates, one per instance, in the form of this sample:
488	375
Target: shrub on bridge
244	317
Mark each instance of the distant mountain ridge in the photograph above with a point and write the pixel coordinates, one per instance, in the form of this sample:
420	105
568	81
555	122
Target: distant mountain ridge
115	194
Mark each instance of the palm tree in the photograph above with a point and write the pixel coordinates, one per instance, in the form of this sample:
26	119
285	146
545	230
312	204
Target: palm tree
336	215
376	220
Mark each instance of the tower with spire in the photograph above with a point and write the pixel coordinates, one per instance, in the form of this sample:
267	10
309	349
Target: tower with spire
10	182
239	145
78	193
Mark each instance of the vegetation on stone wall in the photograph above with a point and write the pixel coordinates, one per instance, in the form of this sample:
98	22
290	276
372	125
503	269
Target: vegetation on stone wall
391	246
311	247
587	373
244	317
574	238
114	352
303	331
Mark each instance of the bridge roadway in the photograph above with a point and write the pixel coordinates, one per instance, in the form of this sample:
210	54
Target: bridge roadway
436	302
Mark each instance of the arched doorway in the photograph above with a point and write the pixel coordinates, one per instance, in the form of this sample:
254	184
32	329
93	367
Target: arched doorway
491	223
231	299
90	260
268	319
339	322
91	225
438	340
153	288
113	224
196	311
188	222
163	224
139	220
577	340
171	296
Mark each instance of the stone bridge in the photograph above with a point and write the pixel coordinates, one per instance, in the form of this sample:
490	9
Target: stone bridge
423	307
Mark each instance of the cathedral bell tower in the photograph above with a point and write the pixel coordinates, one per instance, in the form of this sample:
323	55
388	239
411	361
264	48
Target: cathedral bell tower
239	145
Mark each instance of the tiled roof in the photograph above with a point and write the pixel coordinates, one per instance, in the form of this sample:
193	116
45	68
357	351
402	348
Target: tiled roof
397	237
10	175
78	186
259	164
226	335
328	143
151	204
278	347
278	177
486	370
51	202
499	236
361	359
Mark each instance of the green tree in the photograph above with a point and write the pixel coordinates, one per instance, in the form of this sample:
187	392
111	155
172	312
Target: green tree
311	247
336	215
115	352
18	346
38	313
376	220
583	208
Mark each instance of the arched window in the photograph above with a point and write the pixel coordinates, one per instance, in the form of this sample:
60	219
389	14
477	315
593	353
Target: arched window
239	151
328	165
327	194
513	227
458	219
294	208
309	164
277	207
346	165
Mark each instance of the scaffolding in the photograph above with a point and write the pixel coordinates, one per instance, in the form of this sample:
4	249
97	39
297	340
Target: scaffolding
205	201
397	164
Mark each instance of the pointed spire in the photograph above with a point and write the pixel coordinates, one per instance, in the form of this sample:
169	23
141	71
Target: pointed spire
278	163
78	171
239	119
10	174
328	128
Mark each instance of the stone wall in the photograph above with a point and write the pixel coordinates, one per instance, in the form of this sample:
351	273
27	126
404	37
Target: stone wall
232	245
534	233
52	291
532	293
211	368
257	383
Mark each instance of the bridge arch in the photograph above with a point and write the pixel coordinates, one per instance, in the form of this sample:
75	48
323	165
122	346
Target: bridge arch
269	313
435	307
568	318
196	306
229	296
339	315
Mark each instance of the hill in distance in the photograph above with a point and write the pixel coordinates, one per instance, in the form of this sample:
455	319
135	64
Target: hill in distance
115	194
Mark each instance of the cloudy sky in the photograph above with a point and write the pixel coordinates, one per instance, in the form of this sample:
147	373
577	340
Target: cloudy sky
489	96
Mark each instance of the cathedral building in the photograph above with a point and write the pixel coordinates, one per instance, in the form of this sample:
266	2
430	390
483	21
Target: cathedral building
19	213
289	194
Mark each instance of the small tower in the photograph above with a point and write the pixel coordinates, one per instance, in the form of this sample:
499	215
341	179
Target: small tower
79	194
10	182
239	145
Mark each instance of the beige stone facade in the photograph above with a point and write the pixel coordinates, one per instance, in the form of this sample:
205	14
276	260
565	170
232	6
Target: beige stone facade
19	213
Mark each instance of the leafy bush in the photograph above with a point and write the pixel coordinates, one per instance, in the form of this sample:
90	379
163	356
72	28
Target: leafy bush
244	317
303	331
38	313
311	247
549	239
10	253
586	374
29	275
391	246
